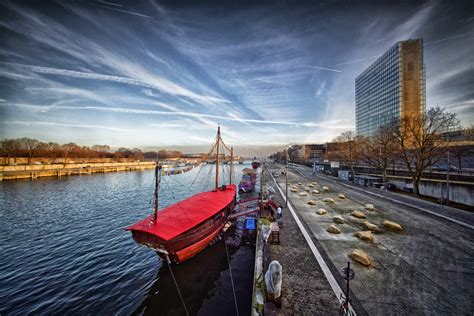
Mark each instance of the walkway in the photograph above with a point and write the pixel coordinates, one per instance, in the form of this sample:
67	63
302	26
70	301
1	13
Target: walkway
305	289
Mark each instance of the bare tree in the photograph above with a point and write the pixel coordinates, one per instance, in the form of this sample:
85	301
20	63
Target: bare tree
10	148
463	148
349	149
419	140
461	153
380	149
29	146
137	154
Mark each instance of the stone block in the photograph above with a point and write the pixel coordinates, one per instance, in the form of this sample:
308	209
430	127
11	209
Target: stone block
369	207
358	214
393	226
371	226
321	211
365	235
333	229
361	257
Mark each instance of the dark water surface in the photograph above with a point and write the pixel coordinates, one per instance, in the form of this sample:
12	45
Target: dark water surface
64	250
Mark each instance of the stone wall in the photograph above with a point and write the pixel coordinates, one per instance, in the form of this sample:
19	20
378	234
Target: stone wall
24	160
459	192
58	170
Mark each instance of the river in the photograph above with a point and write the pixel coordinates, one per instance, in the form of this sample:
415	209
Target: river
64	249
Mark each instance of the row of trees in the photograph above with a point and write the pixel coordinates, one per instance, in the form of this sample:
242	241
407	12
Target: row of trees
32	148
417	142
163	154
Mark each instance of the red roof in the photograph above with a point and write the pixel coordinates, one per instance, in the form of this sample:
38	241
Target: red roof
184	215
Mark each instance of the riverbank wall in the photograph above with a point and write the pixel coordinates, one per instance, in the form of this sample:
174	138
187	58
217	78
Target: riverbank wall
461	192
68	169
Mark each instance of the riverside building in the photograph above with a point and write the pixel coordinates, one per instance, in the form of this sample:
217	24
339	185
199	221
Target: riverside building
392	87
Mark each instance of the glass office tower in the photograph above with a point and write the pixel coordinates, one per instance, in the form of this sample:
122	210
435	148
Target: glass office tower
392	87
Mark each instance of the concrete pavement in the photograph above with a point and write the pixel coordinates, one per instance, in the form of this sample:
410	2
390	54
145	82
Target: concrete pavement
427	269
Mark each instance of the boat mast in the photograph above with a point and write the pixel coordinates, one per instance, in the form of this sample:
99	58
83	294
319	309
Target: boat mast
157	184
217	156
231	164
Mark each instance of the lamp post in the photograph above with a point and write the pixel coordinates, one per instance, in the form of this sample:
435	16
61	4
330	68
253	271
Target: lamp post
286	174
447	171
348	274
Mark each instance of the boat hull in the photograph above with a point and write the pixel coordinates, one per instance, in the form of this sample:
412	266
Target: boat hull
185	246
190	251
255	164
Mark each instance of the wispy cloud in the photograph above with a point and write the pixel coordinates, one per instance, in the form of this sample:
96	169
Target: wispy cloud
115	129
162	85
110	3
121	10
46	108
201	139
321	68
445	39
357	60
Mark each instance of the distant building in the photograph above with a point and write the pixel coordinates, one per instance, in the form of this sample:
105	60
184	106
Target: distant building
307	152
392	87
314	152
296	152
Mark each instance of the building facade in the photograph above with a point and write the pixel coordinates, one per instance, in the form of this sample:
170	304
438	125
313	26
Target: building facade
314	152
391	88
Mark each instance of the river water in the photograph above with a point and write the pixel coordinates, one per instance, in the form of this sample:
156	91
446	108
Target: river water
64	250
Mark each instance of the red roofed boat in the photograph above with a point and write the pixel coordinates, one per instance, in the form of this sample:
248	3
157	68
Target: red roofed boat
255	164
180	231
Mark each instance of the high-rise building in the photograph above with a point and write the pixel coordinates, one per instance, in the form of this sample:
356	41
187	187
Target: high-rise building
392	87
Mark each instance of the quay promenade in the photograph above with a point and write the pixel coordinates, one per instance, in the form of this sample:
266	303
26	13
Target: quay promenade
305	289
425	269
59	170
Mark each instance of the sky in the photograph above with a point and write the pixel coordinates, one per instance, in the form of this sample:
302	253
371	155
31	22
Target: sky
151	73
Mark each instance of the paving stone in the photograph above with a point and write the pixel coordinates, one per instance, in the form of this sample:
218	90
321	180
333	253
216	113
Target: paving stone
305	290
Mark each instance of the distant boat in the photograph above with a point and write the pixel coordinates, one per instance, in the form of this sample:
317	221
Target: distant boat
180	231
249	178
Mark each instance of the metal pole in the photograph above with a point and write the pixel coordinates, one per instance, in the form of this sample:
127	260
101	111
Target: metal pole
231	163
286	173
347	290
447	174
217	157
157	184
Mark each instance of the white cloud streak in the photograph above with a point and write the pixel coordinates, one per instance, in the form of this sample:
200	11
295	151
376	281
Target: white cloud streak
45	108
162	85
321	68
357	60
124	11
115	129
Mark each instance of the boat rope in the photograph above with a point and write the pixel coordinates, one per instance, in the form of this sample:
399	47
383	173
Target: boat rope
178	202
223	166
176	284
230	272
227	147
211	150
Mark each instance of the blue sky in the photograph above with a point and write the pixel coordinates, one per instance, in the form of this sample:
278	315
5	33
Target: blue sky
159	74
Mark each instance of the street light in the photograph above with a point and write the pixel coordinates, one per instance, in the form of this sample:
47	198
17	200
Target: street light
286	173
348	274
447	169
